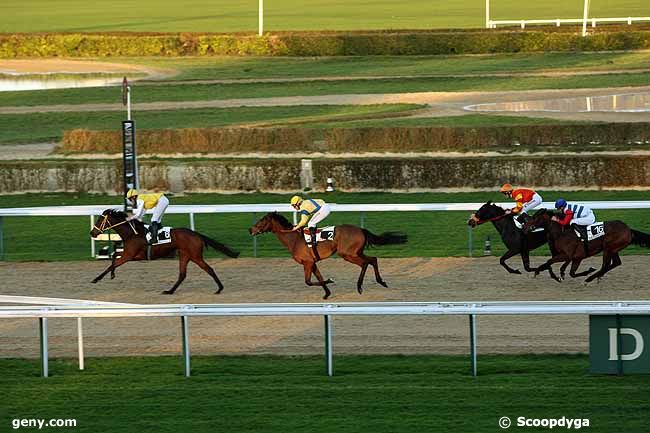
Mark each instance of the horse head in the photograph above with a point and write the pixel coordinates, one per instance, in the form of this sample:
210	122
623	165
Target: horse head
110	219
541	218
485	213
270	222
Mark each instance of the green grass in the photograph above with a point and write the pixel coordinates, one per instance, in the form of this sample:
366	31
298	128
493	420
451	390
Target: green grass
202	92
48	127
292	394
228	16
206	68
431	234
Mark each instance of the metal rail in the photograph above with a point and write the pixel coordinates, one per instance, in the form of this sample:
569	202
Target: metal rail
185	312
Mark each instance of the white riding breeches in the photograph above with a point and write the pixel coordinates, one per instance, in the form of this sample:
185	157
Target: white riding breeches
585	220
536	201
319	216
159	209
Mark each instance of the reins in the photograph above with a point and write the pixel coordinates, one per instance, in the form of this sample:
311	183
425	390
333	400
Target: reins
496	218
102	227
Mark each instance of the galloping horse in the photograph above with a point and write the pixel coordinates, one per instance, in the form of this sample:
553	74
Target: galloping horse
188	243
569	248
349	242
514	239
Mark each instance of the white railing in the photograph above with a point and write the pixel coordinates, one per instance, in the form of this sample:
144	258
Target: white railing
81	309
191	210
558	21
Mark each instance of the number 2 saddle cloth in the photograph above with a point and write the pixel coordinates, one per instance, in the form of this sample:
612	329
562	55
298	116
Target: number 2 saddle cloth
322	234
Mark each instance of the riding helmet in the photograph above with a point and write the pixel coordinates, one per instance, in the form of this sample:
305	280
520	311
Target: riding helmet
560	203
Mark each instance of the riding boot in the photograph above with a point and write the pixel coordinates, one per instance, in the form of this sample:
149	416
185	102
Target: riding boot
153	229
583	235
314	242
521	219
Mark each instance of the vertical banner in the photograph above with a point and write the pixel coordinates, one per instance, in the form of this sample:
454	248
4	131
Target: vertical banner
129	157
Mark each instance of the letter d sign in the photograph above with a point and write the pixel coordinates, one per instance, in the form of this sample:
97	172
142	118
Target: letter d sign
613	344
616	348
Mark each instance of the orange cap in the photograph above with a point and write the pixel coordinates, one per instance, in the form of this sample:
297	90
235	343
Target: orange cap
506	188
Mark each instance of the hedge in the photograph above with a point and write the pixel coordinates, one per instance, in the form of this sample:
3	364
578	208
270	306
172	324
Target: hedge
341	140
319	44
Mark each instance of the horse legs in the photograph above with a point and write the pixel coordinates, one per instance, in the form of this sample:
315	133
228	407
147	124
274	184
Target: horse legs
309	268
113	257
375	266
111	267
563	268
363	262
207	268
183	260
505	257
574	267
607	259
547	265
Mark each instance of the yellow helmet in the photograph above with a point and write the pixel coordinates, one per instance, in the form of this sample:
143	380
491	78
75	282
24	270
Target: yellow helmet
131	193
506	188
295	200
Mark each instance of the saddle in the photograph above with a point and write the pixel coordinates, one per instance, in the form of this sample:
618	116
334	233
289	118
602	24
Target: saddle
164	235
322	234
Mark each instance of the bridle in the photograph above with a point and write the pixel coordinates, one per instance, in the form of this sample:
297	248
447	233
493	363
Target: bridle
496	218
102	226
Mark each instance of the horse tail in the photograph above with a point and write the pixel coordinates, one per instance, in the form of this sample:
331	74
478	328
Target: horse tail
387	238
640	238
219	246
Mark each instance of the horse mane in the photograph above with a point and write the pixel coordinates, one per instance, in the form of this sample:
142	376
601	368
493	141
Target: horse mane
116	213
280	219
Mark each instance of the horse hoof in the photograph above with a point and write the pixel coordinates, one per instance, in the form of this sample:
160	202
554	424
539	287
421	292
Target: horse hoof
360	290
383	283
94	281
327	295
330	281
167	292
516	271
112	277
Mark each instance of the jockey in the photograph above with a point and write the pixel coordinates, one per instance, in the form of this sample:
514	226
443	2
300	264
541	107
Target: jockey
141	202
312	211
525	200
577	215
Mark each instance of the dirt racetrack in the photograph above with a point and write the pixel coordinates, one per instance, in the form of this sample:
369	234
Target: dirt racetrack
280	280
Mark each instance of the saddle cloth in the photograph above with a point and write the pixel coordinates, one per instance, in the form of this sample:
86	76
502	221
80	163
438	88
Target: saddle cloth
164	235
594	231
324	234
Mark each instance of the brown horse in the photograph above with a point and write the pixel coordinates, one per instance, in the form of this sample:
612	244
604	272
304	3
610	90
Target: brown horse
188	243
568	247
349	242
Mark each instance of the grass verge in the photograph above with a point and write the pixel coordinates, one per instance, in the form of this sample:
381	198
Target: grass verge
292	394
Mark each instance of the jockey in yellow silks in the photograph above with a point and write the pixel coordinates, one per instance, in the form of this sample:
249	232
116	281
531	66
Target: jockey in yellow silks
141	203
312	211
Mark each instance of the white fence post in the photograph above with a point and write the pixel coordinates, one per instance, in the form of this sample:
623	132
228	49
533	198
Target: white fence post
585	15
192	226
185	326
42	322
80	342
472	343
328	346
487	14
260	29
92	239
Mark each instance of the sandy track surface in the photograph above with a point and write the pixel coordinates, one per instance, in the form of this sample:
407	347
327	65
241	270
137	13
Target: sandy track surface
439	103
280	280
